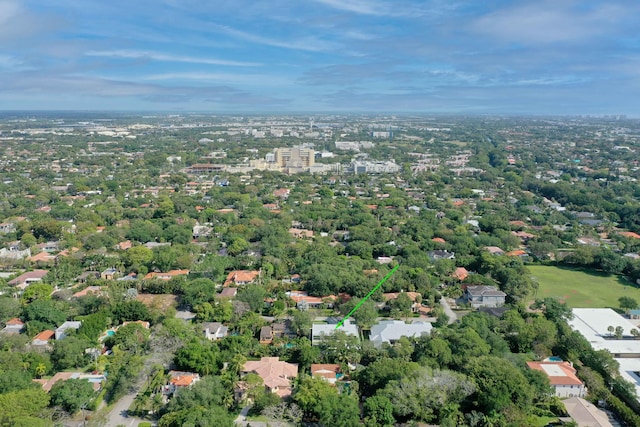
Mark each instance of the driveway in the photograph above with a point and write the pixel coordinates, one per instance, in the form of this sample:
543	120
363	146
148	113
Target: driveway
448	311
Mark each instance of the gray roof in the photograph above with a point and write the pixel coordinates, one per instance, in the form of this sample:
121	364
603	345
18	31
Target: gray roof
348	327
393	330
485	291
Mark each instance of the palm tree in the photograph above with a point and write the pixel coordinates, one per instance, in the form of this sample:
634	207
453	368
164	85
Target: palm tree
41	369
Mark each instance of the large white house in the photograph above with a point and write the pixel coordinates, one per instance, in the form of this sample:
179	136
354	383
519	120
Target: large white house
562	377
320	330
594	324
390	331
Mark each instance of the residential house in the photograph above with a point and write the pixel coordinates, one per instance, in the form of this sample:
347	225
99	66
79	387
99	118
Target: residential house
484	296
328	371
282	193
440	254
321	330
49	247
42	258
166	276
275	374
562	377
390	331
96	380
415	298
179	380
60	332
214	330
518	253
266	335
228	293
123	246
43	337
109	274
13	326
89	290
494	250
28	278
301	233
242	277
523	235
283	329
460	274
88	275
7	227
304	301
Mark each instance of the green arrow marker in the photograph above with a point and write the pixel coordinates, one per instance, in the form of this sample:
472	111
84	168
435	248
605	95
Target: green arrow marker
389	274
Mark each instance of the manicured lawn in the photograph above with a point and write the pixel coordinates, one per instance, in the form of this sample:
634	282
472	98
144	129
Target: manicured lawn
582	288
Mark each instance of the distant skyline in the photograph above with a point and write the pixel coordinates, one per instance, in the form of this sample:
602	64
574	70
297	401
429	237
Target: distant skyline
433	56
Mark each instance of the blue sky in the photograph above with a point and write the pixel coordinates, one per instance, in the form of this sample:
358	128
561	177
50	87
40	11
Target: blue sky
470	57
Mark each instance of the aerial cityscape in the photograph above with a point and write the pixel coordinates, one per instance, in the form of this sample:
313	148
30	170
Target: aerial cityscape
224	270
330	213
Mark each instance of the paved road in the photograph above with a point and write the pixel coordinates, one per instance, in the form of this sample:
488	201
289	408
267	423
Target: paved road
447	309
118	414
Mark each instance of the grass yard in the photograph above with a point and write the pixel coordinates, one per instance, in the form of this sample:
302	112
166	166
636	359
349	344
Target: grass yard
582	288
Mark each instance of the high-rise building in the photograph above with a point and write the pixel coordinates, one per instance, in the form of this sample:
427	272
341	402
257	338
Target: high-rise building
295	157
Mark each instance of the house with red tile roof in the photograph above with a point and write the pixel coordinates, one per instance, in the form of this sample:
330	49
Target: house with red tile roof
562	377
42	257
301	233
518	252
43	337
460	274
438	240
282	193
327	371
93	290
96	380
13	326
178	380
28	278
275	374
629	234
242	277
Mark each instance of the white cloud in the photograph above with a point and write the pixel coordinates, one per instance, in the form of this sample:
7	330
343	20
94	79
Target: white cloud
311	44
156	56
357	6
549	22
258	79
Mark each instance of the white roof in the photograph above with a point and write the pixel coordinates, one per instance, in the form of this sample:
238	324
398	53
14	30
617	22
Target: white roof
347	327
628	370
592	323
392	330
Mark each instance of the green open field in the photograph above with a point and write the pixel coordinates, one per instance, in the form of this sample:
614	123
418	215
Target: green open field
582	288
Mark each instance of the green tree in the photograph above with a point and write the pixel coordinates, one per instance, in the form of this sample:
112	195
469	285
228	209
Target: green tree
627	303
254	296
71	394
378	411
301	322
69	353
37	291
365	316
24	407
500	385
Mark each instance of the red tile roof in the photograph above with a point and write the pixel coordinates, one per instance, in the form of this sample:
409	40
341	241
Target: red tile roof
44	335
241	276
559	373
